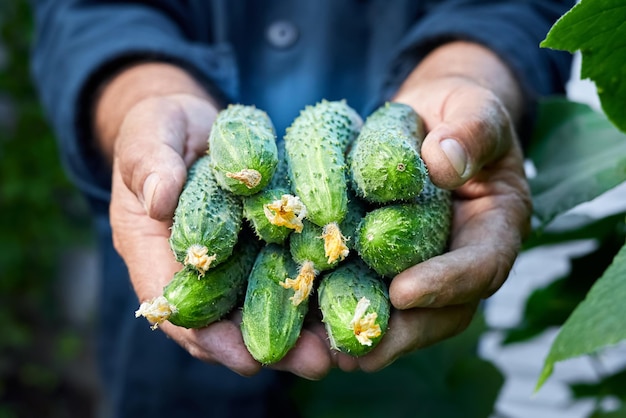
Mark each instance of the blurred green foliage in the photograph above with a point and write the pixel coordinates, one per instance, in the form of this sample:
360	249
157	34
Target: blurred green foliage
42	215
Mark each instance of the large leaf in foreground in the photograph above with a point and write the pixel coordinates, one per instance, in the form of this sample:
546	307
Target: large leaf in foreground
597	29
578	155
598	322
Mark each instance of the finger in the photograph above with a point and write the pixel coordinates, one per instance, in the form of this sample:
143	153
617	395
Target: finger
343	361
141	241
472	130
486	237
219	343
457	277
157	142
309	358
414	329
312	357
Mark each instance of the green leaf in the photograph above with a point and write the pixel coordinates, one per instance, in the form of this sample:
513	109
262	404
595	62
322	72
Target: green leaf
578	155
597	28
596	323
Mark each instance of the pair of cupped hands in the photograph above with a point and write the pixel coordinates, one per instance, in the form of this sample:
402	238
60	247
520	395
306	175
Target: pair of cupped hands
469	102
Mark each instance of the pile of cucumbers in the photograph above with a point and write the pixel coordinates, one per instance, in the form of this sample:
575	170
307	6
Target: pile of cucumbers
336	209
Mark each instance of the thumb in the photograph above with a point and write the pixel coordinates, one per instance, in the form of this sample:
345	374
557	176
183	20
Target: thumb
161	186
467	138
155	145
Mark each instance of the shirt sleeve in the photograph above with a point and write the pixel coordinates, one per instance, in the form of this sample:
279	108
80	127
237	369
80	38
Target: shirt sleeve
512	29
78	44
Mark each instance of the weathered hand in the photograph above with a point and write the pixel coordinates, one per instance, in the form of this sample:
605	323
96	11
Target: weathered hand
472	148
157	142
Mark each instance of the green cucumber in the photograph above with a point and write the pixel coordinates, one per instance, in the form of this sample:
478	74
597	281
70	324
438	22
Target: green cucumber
190	300
355	307
255	209
280	179
307	247
394	237
242	144
271	323
263	209
316	143
385	161
207	220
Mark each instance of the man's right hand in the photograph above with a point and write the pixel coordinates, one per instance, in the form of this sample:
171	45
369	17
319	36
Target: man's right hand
158	138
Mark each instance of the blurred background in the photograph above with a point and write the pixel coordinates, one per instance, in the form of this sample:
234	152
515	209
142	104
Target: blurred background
46	258
48	290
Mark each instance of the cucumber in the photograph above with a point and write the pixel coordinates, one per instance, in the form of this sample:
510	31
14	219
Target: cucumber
280	179
355	307
307	247
270	323
274	213
190	300
385	161
242	144
256	209
207	220
316	143
394	237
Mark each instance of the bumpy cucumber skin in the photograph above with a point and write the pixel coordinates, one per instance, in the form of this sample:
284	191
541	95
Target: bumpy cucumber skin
200	301
357	209
280	179
316	143
308	245
339	291
206	215
243	137
385	161
253	205
394	237
270	323
396	117
254	213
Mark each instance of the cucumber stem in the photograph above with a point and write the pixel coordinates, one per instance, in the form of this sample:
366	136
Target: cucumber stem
248	176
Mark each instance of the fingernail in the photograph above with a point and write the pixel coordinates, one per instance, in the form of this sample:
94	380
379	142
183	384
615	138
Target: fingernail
149	187
455	154
425	300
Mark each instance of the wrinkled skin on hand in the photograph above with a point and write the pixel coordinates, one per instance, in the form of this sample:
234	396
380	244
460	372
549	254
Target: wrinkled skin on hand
158	141
437	299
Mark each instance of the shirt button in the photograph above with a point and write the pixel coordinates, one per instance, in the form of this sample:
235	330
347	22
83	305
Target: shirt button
282	34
